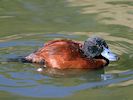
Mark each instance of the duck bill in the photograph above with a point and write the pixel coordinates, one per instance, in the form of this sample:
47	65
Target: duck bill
109	55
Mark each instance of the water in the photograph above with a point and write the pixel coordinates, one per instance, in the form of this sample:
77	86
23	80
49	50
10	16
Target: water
25	25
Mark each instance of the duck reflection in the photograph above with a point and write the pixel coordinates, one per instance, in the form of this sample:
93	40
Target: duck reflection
81	74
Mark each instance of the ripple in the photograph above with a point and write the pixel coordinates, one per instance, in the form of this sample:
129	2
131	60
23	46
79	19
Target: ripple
60	91
11	83
27	22
22	79
19	43
7	16
112	10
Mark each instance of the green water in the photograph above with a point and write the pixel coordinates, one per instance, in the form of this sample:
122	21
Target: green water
25	25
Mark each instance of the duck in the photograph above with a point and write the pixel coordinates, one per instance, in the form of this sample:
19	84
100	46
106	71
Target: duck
94	53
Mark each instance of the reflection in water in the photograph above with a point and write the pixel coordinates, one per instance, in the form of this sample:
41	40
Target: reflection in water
74	73
27	24
27	82
110	12
56	83
106	77
23	79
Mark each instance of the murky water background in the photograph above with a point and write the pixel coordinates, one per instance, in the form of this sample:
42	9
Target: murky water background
26	24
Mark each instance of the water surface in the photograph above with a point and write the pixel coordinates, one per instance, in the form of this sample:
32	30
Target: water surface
25	25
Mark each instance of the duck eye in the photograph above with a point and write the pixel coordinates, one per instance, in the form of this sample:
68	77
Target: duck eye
97	45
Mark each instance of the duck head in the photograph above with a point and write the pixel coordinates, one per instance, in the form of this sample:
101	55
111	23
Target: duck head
96	46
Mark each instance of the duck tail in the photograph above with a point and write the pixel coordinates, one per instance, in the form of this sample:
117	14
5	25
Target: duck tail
19	59
32	58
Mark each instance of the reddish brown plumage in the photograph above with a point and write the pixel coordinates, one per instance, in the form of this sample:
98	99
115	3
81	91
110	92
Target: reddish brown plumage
64	54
